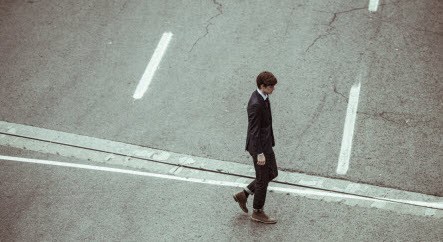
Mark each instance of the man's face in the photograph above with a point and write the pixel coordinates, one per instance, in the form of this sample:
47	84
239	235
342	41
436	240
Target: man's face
268	89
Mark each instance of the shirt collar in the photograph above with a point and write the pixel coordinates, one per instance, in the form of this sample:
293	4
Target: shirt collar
264	97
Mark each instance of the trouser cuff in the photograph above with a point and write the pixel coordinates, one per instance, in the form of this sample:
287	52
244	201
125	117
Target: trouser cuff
248	191
258	210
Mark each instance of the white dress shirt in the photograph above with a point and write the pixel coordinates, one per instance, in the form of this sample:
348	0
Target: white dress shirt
264	97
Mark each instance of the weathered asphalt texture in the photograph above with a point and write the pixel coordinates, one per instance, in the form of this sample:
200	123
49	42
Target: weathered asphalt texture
73	66
47	203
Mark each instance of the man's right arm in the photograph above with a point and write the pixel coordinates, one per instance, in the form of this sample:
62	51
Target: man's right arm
255	119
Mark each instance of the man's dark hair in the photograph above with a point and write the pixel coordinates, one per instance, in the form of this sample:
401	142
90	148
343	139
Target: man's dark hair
266	78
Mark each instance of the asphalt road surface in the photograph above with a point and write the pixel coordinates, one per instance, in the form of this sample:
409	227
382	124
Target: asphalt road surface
50	203
73	66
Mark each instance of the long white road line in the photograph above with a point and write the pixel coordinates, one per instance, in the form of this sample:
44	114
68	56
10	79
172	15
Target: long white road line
152	66
110	169
348	132
215	182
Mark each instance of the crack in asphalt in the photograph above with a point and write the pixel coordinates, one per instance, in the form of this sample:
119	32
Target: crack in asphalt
220	12
403	119
316	39
335	90
330	27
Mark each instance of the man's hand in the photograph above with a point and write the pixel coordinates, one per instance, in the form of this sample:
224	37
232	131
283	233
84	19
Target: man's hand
261	160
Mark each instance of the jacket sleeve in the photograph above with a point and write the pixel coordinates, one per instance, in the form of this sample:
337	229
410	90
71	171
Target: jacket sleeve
273	140
254	116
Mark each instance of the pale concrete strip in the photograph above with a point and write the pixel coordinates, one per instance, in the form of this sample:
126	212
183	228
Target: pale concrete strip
99	150
231	181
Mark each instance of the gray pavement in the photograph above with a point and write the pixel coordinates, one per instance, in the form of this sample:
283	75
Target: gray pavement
73	67
50	203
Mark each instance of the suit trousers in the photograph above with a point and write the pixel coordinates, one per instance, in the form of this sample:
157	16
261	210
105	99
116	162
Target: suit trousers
263	175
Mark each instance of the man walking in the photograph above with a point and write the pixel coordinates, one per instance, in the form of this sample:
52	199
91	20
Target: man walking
259	143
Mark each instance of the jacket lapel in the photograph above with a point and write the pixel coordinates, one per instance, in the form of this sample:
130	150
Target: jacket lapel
258	95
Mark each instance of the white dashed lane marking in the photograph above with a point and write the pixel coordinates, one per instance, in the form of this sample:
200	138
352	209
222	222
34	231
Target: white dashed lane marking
348	132
373	5
152	66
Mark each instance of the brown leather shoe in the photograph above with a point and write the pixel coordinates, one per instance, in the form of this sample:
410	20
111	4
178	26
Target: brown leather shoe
241	199
260	216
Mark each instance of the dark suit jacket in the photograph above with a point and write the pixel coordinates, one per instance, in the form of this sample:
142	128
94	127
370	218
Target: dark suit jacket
260	136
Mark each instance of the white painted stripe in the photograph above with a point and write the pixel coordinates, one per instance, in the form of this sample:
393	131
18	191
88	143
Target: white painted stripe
348	132
152	66
373	5
132	172
298	191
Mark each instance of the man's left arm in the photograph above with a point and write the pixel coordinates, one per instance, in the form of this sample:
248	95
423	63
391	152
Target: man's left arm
272	134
